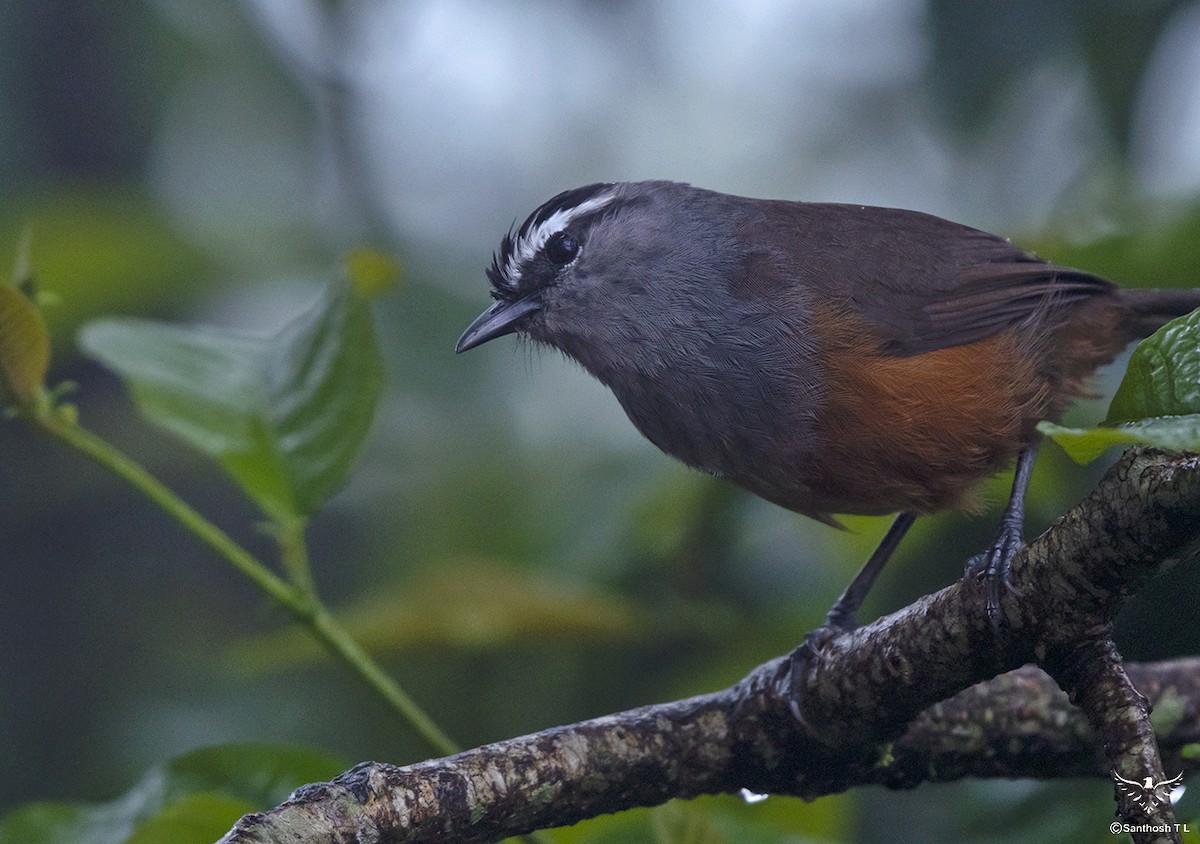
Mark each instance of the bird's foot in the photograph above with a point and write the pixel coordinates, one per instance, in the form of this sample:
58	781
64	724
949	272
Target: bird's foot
810	649
994	567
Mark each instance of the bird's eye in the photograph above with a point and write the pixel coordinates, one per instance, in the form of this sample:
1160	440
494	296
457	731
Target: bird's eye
562	248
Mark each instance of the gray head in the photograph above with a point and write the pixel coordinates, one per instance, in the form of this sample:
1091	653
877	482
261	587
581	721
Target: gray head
655	288
614	270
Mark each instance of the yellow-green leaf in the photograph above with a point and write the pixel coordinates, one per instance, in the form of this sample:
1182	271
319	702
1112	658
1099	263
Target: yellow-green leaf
24	346
1083	445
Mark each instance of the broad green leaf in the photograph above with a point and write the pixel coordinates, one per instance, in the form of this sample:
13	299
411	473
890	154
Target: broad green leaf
1158	402
178	802
24	347
263	774
1163	378
285	415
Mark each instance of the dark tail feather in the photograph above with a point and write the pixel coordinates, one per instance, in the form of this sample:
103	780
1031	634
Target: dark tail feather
1153	308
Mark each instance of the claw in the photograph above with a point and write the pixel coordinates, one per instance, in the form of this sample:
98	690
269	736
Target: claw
994	567
812	647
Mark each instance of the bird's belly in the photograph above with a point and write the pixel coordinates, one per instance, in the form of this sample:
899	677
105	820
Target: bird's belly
918	433
882	434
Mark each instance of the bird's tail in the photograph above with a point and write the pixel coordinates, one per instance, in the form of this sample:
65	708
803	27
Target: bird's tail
1152	308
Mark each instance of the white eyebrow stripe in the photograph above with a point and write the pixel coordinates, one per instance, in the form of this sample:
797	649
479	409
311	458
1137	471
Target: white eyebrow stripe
528	246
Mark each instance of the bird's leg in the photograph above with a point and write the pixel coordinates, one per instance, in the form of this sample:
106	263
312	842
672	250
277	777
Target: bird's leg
995	564
842	616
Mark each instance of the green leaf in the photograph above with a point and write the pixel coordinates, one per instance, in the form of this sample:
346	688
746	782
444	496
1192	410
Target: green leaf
1158	402
717	818
263	774
1083	445
194	797
55	823
285	415
1163	378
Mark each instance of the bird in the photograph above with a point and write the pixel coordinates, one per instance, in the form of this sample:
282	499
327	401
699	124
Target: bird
831	358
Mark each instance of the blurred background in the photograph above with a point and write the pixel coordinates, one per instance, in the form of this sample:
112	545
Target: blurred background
510	547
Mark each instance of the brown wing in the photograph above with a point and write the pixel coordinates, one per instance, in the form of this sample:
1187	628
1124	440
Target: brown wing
926	283
991	298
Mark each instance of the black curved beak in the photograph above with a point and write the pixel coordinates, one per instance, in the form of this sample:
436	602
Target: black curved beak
500	319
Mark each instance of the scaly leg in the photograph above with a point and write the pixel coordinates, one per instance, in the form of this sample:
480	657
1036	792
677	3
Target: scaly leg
842	616
995	564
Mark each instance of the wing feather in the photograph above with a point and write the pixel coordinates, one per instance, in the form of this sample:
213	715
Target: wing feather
926	283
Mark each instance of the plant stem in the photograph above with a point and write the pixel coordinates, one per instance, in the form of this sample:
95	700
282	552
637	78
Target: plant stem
117	462
335	637
293	553
299	598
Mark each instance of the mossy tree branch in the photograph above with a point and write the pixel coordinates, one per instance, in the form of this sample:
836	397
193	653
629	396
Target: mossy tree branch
926	694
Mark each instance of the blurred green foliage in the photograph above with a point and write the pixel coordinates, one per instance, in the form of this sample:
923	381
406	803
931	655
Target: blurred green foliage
192	799
1112	40
100	249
